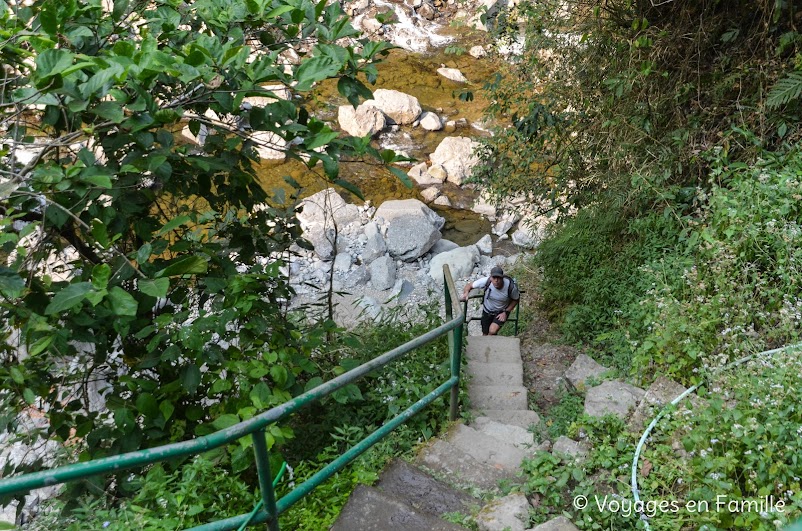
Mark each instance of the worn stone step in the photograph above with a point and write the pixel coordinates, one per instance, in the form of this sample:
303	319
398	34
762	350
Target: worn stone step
485	448
488	349
510	433
497	397
445	459
418	489
370	509
496	373
523	418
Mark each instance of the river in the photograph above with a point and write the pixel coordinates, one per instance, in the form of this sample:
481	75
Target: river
414	74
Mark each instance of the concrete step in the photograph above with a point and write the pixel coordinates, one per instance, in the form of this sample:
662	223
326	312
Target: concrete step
418	489
487	349
370	509
497	397
485	448
515	435
521	418
496	373
444	458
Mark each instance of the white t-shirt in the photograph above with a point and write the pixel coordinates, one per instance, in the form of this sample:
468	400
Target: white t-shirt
496	300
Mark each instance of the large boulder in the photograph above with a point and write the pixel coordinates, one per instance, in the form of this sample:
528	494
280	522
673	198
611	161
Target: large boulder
612	398
374	244
382	273
401	108
456	155
412	228
461	262
362	121
326	209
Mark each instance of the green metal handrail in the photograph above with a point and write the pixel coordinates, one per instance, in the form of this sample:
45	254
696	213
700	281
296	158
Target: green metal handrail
255	427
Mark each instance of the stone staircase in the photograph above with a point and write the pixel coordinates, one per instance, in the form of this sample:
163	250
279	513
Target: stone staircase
467	459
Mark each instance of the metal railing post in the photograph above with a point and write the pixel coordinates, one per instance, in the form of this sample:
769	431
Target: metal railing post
265	479
454	342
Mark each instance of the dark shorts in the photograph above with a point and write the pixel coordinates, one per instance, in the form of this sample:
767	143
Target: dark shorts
488	318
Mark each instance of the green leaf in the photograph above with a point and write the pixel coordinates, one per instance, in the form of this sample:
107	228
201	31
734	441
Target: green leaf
785	91
40	345
122	303
277	12
147	405
314	382
101	181
173	224
67	298
101	274
29	396
100	234
320	139
353	90
120	8
17	375
167	409
11	284
155	288
109	110
314	70
279	374
403	177
225	421
190	378
52	61
350	187
186	265
143	254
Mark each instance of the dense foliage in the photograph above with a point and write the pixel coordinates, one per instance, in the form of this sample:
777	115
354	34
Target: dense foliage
204	489
667	133
141	298
645	116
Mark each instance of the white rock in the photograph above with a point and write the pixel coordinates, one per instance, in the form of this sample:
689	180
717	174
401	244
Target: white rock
477	52
420	174
456	155
485	244
364	120
453	74
442	200
438	173
402	108
430	121
461	262
430	194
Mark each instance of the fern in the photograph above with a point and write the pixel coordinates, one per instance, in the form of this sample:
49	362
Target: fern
785	91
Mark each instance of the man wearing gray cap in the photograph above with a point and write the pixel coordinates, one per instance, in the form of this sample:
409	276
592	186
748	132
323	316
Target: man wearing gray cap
501	297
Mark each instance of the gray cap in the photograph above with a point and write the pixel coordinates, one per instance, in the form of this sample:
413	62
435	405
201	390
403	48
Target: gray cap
497	272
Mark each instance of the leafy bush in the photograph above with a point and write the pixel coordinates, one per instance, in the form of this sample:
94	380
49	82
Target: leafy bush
731	287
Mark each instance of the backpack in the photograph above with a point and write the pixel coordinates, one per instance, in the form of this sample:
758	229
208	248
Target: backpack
509	288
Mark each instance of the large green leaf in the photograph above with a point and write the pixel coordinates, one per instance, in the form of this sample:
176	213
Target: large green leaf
174	224
122	302
314	70
186	265
52	62
155	288
68	297
11	284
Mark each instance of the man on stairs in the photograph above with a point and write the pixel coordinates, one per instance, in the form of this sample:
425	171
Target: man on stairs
500	298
